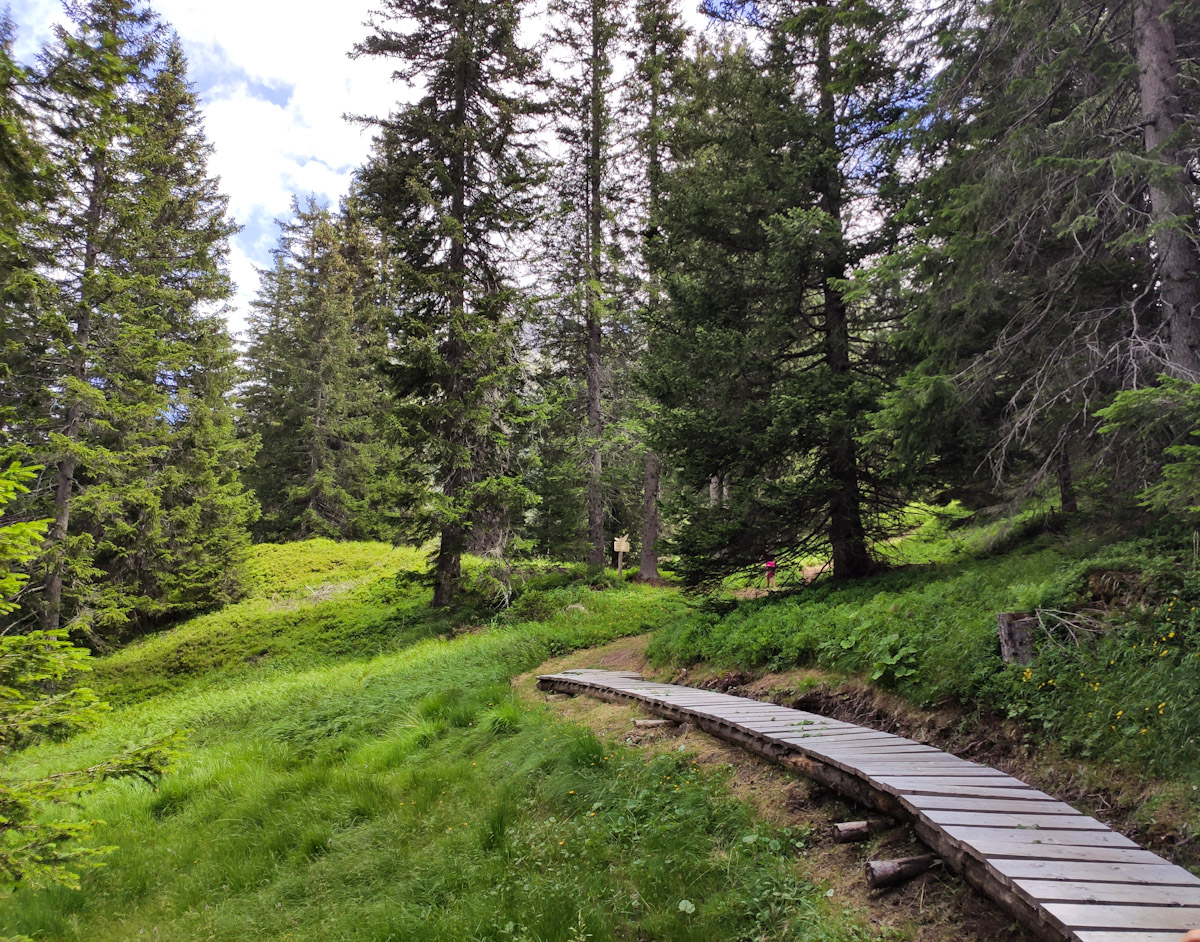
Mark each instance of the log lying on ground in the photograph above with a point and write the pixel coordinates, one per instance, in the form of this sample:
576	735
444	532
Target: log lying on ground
848	831
881	873
651	724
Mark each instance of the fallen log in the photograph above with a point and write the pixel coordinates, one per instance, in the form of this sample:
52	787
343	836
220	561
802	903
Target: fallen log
652	724
883	873
848	831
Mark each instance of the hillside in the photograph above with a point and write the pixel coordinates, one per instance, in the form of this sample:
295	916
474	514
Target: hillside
360	767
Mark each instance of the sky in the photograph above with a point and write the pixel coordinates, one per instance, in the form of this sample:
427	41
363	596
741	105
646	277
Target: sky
274	79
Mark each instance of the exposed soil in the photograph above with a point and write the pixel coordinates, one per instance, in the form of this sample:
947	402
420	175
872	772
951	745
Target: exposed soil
935	907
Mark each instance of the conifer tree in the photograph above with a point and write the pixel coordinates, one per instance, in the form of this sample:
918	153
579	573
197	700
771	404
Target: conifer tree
657	48
316	399
135	365
448	183
583	41
1055	228
765	365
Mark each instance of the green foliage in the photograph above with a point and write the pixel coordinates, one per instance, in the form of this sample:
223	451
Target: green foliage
763	395
1155	426
120	360
39	700
449	182
408	794
315	400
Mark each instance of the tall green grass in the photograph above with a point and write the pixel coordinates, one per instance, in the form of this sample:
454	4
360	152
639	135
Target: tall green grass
398	791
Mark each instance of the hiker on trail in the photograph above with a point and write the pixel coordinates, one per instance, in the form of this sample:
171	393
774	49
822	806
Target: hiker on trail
770	568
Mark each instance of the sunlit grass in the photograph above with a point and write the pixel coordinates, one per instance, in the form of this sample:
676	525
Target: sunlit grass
401	792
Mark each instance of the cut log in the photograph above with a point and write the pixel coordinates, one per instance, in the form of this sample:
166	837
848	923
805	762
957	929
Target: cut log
881	873
651	724
1016	636
555	697
848	831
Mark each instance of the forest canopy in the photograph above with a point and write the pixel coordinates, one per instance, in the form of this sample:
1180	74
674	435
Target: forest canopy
739	293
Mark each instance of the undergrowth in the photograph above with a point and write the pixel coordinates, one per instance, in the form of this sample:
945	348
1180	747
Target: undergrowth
1116	674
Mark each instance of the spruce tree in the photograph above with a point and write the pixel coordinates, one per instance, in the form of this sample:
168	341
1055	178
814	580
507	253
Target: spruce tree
316	400
766	365
134	365
657	49
448	184
583	44
1054	230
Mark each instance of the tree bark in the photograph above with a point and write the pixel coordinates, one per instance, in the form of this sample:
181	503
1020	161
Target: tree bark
64	484
448	565
648	565
1172	207
1066	483
595	425
882	873
847	535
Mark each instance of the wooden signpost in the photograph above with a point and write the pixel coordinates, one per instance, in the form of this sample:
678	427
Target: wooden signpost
621	547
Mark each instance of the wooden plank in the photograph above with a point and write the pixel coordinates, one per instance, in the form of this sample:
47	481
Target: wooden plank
1062	822
934	786
833	737
924	784
1118	935
948	767
994	852
969	835
1014	805
1160	872
866	750
1134	894
1093	916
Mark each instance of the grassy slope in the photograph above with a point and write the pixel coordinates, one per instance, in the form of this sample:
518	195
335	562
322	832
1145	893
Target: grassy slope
1120	684
355	772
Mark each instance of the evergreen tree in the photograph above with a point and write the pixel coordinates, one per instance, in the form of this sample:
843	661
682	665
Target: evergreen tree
134	366
583	42
1055	228
765	365
448	183
658	38
316	400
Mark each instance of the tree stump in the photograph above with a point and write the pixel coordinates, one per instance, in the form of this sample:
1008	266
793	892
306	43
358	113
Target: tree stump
1016	636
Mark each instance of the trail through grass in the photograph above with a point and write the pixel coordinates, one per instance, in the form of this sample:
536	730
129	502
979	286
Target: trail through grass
359	770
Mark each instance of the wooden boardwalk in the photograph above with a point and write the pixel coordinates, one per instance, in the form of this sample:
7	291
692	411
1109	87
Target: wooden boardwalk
1062	874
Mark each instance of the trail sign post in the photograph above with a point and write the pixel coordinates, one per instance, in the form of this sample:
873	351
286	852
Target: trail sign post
621	547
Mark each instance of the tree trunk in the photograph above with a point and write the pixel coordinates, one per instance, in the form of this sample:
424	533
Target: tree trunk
65	469
847	536
595	483
448	566
648	566
1172	208
1066	483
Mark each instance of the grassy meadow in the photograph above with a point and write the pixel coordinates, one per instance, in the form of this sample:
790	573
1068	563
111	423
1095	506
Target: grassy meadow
358	768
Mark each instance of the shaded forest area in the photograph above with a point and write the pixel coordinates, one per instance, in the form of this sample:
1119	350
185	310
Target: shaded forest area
779	280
